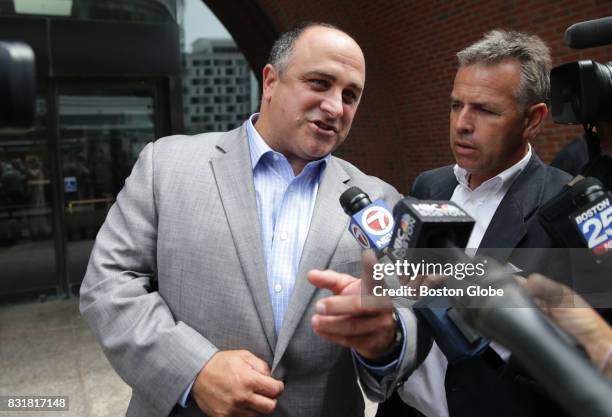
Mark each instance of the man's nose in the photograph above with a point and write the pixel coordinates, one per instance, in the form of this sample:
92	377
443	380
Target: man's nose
332	105
463	121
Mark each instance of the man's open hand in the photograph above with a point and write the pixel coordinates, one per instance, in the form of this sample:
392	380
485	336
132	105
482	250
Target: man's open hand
236	383
344	319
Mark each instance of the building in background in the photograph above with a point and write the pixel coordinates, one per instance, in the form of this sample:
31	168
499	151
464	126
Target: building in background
110	79
216	86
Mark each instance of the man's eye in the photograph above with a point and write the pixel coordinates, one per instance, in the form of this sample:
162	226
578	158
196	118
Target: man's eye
318	83
455	106
349	97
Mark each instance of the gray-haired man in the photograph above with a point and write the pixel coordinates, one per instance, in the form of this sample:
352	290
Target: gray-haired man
497	107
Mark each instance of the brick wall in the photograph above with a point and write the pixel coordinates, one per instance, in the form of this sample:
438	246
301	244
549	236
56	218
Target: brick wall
401	127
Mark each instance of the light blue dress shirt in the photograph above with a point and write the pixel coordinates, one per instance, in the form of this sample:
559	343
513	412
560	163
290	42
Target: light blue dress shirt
285	203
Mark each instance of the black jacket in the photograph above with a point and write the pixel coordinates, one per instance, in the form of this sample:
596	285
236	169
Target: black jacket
487	386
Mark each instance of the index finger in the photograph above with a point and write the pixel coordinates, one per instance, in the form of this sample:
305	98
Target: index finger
331	280
368	260
256	363
267	386
553	294
353	305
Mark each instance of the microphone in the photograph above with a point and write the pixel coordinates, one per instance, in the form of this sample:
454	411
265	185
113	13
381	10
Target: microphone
581	216
550	355
429	224
593	220
419	224
589	33
371	222
422	226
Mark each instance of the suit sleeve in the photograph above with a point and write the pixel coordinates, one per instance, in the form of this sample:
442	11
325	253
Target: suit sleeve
413	352
154	354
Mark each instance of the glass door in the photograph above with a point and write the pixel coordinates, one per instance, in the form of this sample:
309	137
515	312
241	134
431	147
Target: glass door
101	134
27	235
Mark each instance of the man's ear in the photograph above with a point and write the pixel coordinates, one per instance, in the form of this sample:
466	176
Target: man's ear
270	79
534	118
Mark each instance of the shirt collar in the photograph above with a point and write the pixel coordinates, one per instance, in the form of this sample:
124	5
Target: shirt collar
501	180
258	147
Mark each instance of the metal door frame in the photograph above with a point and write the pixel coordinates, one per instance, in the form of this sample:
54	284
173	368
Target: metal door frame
165	122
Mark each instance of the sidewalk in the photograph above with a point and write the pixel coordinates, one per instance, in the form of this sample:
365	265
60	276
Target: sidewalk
46	349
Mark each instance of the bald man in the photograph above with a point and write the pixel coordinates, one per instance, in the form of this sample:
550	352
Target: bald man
197	285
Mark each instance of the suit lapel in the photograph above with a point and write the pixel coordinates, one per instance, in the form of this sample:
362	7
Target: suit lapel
505	231
234	178
442	187
507	226
444	190
327	225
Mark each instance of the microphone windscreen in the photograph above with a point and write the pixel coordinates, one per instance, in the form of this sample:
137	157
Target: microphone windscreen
353	200
590	33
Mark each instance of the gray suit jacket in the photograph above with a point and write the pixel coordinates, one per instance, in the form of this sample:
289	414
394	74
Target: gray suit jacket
177	273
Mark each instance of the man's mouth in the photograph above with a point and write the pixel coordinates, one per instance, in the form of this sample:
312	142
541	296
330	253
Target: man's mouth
464	147
325	126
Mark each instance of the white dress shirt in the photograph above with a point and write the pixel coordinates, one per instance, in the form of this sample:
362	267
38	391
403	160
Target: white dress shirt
424	390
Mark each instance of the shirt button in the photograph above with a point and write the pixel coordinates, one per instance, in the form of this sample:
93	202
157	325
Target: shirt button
278	288
283	236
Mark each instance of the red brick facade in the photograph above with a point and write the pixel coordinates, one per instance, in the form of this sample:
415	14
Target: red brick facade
401	127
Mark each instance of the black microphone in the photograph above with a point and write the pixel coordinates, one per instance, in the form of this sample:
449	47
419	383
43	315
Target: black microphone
550	355
590	33
429	224
581	217
433	233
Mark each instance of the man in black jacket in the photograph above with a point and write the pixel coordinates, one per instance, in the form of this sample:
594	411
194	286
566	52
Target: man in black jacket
497	107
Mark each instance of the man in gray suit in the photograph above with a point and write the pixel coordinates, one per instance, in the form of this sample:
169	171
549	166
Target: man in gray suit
196	287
